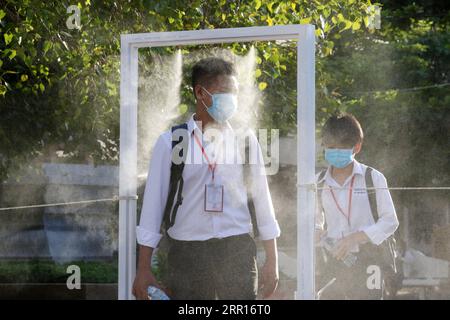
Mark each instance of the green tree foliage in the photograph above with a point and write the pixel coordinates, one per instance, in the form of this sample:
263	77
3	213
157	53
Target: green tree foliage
59	87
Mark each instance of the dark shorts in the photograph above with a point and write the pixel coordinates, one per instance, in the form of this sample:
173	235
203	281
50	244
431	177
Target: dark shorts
216	268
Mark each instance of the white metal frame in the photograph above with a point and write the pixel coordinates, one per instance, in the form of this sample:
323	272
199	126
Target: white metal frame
130	43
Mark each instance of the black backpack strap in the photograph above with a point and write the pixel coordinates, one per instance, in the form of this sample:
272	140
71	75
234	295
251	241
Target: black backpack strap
371	194
247	181
179	144
390	243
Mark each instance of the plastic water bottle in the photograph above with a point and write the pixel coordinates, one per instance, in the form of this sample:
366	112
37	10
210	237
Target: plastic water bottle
157	294
349	260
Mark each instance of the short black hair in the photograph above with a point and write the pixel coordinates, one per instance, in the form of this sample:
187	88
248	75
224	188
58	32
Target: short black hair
342	128
207	70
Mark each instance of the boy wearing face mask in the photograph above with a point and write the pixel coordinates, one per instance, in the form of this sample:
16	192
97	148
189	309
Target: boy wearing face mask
344	218
211	254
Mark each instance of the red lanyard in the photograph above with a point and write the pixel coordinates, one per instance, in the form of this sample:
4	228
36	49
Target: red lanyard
212	167
350	194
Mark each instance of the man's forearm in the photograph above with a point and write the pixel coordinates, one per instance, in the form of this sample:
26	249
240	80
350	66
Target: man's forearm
145	258
270	247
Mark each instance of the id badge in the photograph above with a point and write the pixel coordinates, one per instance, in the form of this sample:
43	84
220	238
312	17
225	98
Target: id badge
213	197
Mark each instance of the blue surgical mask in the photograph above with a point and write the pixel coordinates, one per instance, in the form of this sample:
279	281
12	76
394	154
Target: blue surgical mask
223	106
339	158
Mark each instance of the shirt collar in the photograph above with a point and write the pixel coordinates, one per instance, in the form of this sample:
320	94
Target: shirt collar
194	125
357	169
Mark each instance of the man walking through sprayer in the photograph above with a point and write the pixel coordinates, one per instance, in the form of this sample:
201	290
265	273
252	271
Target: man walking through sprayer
208	219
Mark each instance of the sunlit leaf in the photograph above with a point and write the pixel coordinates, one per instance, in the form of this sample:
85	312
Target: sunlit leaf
182	108
257	4
305	20
262	86
12	54
356	25
8	38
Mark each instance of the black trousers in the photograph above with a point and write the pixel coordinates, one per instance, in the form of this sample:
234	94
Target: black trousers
216	268
351	282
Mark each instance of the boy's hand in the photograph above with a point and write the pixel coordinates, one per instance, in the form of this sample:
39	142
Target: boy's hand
268	279
144	279
343	246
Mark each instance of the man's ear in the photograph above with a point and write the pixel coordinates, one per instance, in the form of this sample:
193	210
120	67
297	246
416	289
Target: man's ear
357	148
199	92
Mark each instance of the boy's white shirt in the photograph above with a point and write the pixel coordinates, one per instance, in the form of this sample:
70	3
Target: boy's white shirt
192	223
361	218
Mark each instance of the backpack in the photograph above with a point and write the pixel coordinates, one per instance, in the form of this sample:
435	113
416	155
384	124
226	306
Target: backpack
175	198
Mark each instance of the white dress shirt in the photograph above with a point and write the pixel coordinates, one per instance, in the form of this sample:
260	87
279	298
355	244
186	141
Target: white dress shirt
361	218
192	221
